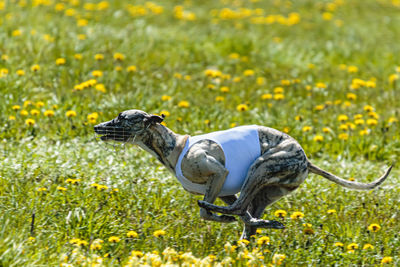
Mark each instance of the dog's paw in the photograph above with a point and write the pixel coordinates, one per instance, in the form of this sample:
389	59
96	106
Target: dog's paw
203	204
276	225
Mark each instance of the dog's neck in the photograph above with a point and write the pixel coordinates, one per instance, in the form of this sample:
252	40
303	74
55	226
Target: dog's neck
164	144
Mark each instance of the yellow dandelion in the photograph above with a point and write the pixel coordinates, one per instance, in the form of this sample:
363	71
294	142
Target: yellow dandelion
35	68
352	246
100	87
285	82
386	260
368	108
24	112
260	81
16	33
359	121
342	118
224	89
131	68
119	56
70	113
372	122
338	244
245	242
183	104
351	96
248	73
166	98
374	227
278	259
242	107
279	90
35	112
331	211
219	98
319	107
393	78
78	56
159	233
60	61
30	122
307	128
97	73
326	130
114	239
321	85
264	240
12	118
297	215
318	138
99	57
368	246
41	189
132	234
60	188
352	69
16	107
279	96
266	96
165	113
20	72
343	136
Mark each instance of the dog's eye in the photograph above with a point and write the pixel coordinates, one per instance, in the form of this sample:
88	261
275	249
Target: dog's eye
120	117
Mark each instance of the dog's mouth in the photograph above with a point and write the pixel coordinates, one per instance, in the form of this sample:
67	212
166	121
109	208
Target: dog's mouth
110	133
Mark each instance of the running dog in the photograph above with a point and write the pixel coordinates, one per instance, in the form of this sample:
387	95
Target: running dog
261	163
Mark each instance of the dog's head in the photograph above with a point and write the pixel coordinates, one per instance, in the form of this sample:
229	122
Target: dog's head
126	126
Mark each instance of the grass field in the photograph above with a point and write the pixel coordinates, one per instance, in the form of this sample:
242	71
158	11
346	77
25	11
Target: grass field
325	72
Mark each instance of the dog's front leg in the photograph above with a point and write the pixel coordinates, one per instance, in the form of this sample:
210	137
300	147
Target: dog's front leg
218	174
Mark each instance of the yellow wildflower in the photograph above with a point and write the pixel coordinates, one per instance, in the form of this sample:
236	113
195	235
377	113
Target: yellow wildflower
368	246
114	239
183	104
16	107
338	244
307	128
20	72
374	227
386	260
70	113
99	57
321	85
78	56
266	96
219	98
264	240
165	98
297	215
280	213
279	96
131	68
278	259
393	78
331	211
30	122
12	118
342	118
248	73
119	56
24	112
132	234
159	233
60	188
352	246
352	69
343	136
242	107
35	68
224	89
318	138
60	61
97	73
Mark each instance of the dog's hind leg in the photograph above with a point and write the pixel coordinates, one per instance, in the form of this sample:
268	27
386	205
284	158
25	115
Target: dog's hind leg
281	169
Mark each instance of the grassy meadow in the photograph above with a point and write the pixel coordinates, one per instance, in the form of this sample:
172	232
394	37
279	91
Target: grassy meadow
325	72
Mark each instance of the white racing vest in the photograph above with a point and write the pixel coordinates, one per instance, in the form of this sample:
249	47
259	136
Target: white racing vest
241	146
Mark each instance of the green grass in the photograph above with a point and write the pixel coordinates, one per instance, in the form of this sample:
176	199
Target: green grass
171	55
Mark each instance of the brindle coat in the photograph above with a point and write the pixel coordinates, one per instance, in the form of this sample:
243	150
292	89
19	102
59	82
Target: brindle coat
280	169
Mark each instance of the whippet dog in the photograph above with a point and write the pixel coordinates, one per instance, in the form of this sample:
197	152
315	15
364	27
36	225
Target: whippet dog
261	163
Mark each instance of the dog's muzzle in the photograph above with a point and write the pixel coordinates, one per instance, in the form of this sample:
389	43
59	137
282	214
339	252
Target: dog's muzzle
112	133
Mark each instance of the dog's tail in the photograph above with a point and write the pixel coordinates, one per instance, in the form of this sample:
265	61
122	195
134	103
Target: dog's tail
345	183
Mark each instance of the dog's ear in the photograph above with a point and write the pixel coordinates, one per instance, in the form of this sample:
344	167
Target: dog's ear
156	119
